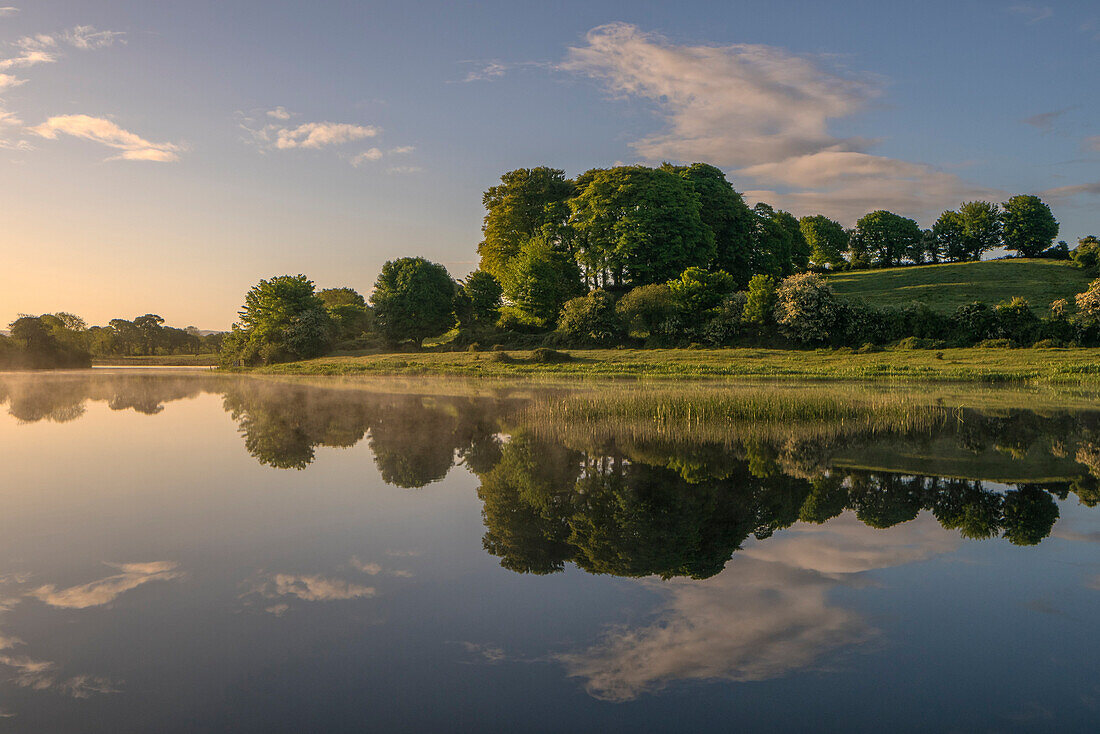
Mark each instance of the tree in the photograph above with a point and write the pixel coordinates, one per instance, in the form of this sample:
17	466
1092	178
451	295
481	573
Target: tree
636	225
725	213
1087	255
981	228
282	319
149	328
527	202
888	237
485	294
1029	225
647	309
591	317
333	297
779	247
760	305
949	232
413	299
348	310
826	239
538	283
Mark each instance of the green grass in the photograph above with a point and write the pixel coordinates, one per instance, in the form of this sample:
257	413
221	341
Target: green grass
946	287
1027	366
159	360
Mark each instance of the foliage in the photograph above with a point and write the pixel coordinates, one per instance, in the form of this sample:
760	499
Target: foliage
698	290
485	295
887	237
981	228
724	212
527	202
591	318
636	225
1088	303
826	239
538	282
42	342
413	299
806	309
1087	255
647	309
760	302
1029	225
282	319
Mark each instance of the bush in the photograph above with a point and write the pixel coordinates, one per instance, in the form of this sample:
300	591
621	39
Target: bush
542	355
869	348
1048	344
591	318
647	310
806	309
995	344
698	290
1088	303
1087	255
915	342
1017	322
760	301
976	322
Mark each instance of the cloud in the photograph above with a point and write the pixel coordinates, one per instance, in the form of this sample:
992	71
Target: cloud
1045	120
87	37
106	132
40	675
7	81
8	11
371	154
33	50
404	169
1031	13
310	588
106	590
487	71
763	112
766	615
279	113
402	149
1061	193
320	134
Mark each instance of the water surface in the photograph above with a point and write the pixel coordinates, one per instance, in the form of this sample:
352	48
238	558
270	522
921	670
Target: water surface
201	552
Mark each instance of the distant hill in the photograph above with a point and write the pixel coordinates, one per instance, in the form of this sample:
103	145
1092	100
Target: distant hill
948	286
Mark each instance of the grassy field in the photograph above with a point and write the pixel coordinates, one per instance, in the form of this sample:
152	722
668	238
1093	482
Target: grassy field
946	287
160	360
1028	366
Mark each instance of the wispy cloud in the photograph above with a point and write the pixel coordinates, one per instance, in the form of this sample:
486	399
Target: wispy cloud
279	113
1045	120
486	71
1031	13
8	11
31	51
86	37
7	81
105	132
309	587
106	590
367	156
404	169
763	112
402	149
1060	193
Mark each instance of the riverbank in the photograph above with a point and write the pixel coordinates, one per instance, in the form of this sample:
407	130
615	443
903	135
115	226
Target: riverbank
1027	366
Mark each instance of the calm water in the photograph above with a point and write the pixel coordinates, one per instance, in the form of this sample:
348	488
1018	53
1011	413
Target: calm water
192	552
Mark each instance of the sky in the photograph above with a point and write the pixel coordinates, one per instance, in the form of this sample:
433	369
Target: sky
164	156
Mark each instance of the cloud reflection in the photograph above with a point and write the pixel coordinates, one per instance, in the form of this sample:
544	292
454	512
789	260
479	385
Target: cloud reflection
106	590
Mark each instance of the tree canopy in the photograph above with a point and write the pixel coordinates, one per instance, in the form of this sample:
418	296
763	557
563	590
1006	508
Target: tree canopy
413	299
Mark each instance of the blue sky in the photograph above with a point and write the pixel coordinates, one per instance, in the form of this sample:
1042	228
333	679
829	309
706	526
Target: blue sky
164	156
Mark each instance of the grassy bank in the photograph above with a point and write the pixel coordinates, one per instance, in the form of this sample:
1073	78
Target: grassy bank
1034	366
946	287
160	360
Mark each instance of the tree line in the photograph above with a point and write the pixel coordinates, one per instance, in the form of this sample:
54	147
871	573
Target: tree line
665	256
64	340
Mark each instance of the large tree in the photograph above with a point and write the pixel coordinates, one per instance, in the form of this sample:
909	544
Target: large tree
888	237
527	202
1029	225
539	282
726	214
282	319
981	228
779	247
636	225
413	299
949	233
348	310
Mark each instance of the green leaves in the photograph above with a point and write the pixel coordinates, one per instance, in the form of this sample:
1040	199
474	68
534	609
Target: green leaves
413	299
1029	225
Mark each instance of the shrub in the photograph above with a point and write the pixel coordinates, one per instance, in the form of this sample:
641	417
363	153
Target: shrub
1048	344
914	342
1087	255
698	290
591	318
760	301
806	308
1017	322
975	322
647	310
869	348
995	344
1088	303
542	355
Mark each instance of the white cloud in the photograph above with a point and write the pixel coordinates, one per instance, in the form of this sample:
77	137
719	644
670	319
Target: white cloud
763	112
279	113
766	615
487	71
7	81
404	169
371	154
33	50
1060	193
106	590
310	588
8	11
87	37
1031	13
402	149
106	132
320	134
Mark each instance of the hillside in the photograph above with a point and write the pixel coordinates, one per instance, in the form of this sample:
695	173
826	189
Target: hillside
945	287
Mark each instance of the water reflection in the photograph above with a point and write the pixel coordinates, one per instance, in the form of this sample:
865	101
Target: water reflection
744	537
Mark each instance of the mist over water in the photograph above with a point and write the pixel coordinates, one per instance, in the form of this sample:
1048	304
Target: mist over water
195	551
